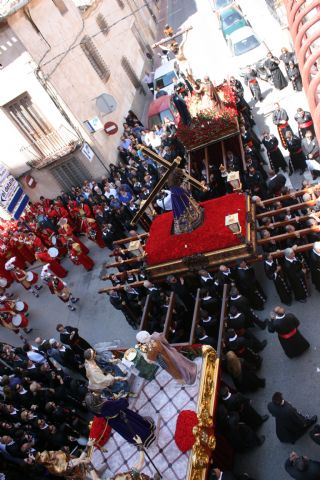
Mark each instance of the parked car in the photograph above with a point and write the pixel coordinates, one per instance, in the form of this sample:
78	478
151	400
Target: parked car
246	48
164	75
160	109
219	5
230	20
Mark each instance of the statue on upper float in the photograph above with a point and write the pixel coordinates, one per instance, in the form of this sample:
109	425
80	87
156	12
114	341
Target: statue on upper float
187	214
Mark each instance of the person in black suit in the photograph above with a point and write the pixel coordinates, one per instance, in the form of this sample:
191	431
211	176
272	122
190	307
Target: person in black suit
70	336
286	326
290	424
236	402
275	182
302	468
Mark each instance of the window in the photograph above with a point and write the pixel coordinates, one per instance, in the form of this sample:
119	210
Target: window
131	74
151	12
95	58
28	118
71	173
61	6
102	24
120	3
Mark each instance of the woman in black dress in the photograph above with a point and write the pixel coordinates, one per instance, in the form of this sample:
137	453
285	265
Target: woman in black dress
294	76
272	64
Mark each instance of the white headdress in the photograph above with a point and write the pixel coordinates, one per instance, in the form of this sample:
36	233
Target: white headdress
143	336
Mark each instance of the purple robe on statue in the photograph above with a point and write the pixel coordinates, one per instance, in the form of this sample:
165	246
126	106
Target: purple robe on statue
127	422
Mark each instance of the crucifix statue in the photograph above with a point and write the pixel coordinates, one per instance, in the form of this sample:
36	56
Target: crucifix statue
188	215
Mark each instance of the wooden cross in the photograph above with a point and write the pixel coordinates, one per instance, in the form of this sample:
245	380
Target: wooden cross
169	39
169	168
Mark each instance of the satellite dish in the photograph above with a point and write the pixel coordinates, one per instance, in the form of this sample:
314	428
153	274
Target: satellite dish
106	103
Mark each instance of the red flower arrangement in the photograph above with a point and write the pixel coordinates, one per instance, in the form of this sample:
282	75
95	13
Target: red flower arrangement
209	124
100	431
184	438
163	246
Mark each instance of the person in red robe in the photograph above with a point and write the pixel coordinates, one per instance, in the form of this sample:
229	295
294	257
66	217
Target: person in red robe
27	279
67	232
54	264
94	232
60	289
78	257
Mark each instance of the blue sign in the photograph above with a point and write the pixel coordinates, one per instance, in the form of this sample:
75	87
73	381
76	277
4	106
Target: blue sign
24	202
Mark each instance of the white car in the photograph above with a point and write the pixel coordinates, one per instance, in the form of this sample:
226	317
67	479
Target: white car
164	75
246	48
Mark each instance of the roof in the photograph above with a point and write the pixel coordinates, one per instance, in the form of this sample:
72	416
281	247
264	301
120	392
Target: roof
242	33
158	105
229	11
165	68
9	7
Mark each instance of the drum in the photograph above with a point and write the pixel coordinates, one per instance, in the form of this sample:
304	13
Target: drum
19	306
53	252
17	320
41	218
3	282
29	276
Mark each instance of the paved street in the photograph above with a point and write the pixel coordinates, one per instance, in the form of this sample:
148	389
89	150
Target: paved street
97	320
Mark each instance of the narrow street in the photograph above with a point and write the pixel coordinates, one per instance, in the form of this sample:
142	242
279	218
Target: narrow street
98	320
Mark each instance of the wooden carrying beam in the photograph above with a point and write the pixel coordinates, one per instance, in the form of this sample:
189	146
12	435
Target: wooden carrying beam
125	262
299	193
290	208
285	236
145	314
130	239
195	321
297	220
169	315
121	287
223	315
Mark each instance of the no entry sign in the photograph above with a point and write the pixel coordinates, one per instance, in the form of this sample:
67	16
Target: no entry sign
110	128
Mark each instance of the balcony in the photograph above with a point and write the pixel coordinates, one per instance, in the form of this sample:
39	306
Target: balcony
48	148
9	7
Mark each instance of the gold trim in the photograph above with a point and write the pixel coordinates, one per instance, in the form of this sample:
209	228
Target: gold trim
205	440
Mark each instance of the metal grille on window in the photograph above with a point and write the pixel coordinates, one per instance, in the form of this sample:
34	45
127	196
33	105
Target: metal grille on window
154	18
120	3
137	36
131	74
25	114
102	24
95	58
71	173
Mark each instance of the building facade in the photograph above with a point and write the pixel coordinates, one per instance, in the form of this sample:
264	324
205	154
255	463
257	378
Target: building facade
67	68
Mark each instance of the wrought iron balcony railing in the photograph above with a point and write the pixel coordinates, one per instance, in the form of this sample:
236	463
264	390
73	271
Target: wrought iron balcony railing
48	148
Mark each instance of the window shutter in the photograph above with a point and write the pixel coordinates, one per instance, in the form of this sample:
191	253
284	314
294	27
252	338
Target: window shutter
94	57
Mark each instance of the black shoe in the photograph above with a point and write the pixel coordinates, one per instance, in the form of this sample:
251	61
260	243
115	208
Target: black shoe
311	421
304	300
262	439
75	300
263	344
264	324
264	418
28	330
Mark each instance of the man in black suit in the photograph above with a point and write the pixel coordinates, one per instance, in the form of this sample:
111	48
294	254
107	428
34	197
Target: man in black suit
275	182
236	402
70	336
302	468
290	424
